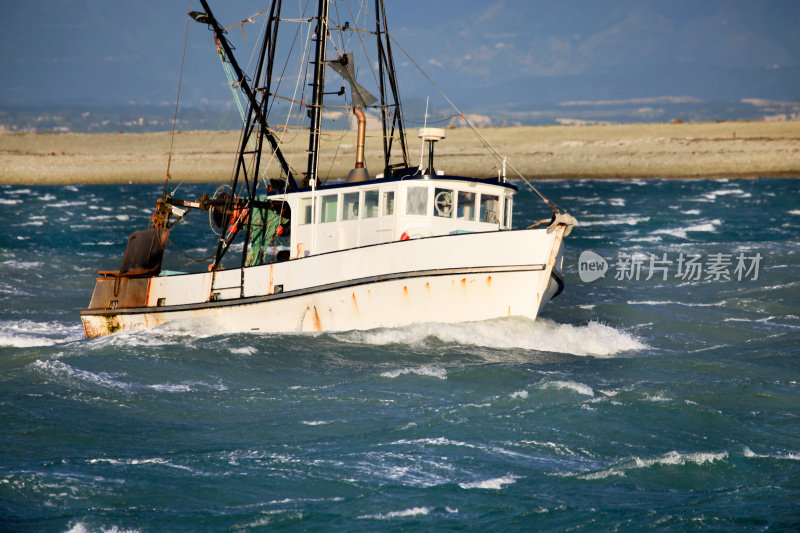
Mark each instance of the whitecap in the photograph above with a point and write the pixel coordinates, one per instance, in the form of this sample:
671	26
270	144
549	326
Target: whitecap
713	195
683	232
613	220
672	458
545	335
490	484
519	395
657	398
23	265
429	371
574	386
80	527
790	456
414	511
244	350
64	203
25	333
6	201
795	212
315	422
62	371
170	387
139	462
560	449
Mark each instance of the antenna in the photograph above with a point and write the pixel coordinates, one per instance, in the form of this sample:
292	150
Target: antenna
422	141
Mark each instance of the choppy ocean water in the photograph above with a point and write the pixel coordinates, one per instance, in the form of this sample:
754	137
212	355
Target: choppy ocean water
632	404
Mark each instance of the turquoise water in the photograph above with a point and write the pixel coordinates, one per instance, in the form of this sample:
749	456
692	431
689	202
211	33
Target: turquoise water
632	404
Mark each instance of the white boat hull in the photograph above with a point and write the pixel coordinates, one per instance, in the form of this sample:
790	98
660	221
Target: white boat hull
453	278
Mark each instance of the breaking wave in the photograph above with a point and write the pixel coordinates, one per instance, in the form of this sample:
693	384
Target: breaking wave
429	371
594	339
489	484
672	458
26	333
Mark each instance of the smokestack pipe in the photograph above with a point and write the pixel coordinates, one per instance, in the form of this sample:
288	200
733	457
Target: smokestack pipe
359	173
362	133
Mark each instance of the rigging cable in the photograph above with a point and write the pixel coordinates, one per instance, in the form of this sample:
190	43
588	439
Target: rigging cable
486	144
177	101
498	158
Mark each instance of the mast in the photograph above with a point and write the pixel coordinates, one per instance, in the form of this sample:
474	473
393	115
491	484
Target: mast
245	86
317	85
256	120
386	71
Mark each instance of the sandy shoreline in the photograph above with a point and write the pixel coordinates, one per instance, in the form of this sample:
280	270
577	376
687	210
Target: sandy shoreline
724	149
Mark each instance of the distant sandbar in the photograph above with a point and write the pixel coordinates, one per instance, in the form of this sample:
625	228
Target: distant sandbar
693	150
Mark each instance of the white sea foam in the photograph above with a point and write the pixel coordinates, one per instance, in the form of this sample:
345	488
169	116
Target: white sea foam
593	339
315	422
429	371
23	265
6	201
414	511
80	527
23	341
25	334
683	232
519	395
490	484
795	212
63	372
556	447
139	462
170	387
672	458
614	220
657	398
244	350
574	386
64	203
790	456
711	196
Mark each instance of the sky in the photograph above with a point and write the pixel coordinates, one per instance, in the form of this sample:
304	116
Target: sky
510	54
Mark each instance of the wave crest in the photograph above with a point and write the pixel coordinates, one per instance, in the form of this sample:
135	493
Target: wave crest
545	335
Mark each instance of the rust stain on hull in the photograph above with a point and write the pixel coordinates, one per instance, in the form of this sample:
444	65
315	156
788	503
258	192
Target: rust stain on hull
317	322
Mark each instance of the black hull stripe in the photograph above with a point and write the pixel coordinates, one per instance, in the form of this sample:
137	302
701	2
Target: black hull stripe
556	275
312	290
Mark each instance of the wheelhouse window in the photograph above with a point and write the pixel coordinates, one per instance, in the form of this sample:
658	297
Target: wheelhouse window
328	207
350	206
388	203
443	202
466	205
370	204
508	213
490	209
305	211
417	201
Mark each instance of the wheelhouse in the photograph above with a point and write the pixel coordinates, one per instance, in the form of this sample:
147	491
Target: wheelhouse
349	215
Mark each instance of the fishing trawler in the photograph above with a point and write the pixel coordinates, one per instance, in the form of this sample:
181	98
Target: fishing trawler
293	254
